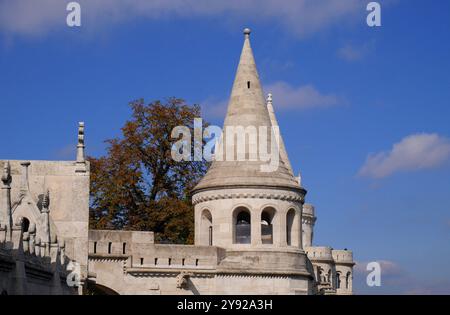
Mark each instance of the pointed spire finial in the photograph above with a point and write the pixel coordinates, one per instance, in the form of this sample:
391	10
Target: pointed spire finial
247	32
81	158
6	176
80	145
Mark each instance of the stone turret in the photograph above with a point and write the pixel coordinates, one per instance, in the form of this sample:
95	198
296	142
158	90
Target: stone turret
81	158
308	221
239	204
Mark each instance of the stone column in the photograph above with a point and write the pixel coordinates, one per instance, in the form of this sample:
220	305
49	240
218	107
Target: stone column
282	229
6	206
37	247
46	221
298	228
255	227
26	242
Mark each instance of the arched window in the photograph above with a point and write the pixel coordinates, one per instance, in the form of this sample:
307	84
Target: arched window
329	276
242	226
206	228
347	280
267	216
290	226
338	280
25	224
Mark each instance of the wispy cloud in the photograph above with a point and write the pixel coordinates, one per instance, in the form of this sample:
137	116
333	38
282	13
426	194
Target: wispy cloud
397	280
67	152
291	97
414	152
300	17
389	269
356	52
285	97
213	108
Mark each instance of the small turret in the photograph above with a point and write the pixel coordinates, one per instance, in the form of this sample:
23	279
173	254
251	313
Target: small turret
308	221
6	214
81	158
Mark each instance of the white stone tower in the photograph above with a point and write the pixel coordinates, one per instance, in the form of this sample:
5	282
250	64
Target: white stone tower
240	207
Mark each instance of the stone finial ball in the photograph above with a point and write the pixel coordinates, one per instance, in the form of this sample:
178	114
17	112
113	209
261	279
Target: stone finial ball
247	31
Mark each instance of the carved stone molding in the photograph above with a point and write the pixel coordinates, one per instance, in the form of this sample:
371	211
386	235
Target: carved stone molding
214	195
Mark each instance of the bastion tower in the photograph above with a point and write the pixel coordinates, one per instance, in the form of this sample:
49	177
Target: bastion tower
252	210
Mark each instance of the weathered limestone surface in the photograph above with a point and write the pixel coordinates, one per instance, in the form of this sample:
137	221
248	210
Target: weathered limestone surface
69	200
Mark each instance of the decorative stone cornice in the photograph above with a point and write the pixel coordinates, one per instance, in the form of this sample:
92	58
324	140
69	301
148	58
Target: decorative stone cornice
108	257
219	195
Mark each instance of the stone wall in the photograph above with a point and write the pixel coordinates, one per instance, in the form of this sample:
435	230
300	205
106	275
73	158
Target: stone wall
68	185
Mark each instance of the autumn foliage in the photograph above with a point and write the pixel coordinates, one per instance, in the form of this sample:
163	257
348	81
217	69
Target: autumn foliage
137	185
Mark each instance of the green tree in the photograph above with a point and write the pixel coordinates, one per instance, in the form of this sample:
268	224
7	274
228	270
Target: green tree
137	185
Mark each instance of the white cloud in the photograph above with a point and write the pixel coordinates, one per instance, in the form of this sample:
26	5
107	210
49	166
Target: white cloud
286	96
414	152
395	279
300	17
353	52
388	268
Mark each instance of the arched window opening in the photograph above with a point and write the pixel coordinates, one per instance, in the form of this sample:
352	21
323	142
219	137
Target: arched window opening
25	224
338	280
267	225
109	247
95	247
347	280
290	226
210	238
206	228
242	226
248	84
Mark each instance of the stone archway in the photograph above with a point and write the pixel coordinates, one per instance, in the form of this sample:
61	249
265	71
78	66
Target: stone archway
98	289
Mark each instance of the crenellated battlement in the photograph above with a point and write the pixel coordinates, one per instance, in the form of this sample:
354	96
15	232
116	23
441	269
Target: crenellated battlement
139	249
319	253
343	256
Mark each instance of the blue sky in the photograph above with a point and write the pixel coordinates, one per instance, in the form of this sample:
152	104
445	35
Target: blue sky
364	111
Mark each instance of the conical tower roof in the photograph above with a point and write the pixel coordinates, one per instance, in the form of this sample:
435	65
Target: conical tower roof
247	108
